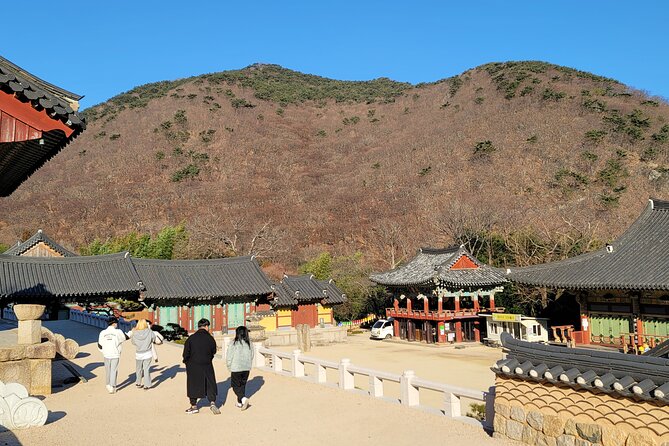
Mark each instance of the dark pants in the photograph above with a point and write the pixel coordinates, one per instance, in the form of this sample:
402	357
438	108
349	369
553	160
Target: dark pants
238	383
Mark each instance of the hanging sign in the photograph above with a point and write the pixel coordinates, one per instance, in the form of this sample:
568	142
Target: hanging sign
506	317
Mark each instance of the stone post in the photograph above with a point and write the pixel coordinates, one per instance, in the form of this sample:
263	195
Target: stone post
297	366
258	358
30	327
408	393
452	405
375	386
345	377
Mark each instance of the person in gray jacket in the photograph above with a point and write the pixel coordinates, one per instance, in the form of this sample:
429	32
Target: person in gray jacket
143	338
239	358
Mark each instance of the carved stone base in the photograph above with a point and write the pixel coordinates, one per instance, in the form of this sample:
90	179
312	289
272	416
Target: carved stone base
18	410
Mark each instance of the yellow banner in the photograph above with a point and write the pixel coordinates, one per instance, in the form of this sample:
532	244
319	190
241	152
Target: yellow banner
506	317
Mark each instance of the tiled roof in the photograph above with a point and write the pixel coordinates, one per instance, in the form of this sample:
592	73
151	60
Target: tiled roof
638	260
39	236
58	103
20	159
638	377
434	264
202	279
302	289
44	277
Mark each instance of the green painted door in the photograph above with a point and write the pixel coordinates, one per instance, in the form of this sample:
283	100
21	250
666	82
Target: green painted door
200	312
169	315
608	327
235	315
656	327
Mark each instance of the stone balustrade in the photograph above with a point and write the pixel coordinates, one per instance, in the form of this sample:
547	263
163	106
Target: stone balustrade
294	364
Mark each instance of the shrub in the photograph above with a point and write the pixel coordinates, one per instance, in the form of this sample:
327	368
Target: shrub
160	155
650	103
180	117
476	411
114	136
207	135
650	154
589	156
612	173
594	105
425	170
240	102
279	111
189	172
532	139
526	90
351	121
551	95
662	135
595	136
484	149
322	133
479	100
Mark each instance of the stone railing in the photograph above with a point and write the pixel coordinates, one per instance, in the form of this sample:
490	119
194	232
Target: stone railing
97	320
345	372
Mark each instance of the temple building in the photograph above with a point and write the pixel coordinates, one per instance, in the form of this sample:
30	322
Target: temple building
302	300
39	245
37	119
438	295
621	291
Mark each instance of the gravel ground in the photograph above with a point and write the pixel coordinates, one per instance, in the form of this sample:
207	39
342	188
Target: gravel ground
283	410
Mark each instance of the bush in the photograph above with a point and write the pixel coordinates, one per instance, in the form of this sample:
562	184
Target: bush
476	411
551	95
595	136
189	172
484	149
240	102
532	139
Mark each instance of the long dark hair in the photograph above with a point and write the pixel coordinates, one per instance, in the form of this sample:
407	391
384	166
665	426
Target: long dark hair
242	334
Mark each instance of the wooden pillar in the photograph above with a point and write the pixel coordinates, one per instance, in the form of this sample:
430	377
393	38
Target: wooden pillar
426	305
396	328
475	300
477	331
396	305
456	301
218	317
408	305
458	330
440	305
492	301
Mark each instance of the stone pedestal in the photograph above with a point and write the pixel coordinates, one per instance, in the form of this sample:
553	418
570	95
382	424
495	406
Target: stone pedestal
30	332
40	376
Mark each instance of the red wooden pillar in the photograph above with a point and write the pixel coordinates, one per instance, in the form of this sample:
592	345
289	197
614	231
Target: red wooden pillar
440	305
475	299
408	305
477	331
492	300
458	330
639	329
426	305
456	300
218	316
585	328
396	305
396	328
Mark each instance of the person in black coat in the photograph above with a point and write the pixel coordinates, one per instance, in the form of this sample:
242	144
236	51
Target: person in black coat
199	352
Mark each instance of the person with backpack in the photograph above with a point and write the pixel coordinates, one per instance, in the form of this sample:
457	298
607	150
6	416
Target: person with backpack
239	358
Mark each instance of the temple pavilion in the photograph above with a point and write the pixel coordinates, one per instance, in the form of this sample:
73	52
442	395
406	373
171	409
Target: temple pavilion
438	295
621	290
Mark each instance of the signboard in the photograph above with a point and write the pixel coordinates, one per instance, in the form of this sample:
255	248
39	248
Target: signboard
506	317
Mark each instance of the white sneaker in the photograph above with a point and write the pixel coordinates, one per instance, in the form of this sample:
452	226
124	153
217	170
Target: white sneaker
238	405
245	403
110	389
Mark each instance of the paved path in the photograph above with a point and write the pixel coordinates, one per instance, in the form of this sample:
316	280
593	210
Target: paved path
284	411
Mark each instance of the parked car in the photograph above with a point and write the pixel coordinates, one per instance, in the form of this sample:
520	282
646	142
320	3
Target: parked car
382	329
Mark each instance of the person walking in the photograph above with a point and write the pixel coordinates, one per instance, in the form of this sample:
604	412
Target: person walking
110	343
143	338
239	358
157	341
199	351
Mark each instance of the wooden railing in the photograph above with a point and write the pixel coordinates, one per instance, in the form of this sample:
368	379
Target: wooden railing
626	342
410	385
439	315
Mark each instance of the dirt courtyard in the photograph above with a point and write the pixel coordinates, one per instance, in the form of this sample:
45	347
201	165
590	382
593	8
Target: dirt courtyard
284	410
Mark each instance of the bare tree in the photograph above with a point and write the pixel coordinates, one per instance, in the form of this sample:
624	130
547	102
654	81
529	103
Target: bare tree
389	243
212	236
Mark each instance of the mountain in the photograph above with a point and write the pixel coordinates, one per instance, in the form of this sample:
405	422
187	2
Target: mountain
307	164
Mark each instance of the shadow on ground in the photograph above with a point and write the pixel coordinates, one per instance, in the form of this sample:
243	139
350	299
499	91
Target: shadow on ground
8	438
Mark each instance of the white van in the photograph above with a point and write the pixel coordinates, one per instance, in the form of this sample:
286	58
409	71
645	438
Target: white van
382	329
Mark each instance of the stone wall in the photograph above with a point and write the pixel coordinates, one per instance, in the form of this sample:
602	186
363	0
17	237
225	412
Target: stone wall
546	414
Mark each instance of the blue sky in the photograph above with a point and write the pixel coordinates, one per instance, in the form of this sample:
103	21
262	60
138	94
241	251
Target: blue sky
100	49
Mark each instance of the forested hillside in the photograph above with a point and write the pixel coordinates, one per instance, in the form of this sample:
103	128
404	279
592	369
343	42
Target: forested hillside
523	161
